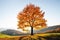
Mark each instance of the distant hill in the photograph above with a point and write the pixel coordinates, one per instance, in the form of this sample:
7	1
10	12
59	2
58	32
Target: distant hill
45	30
57	30
51	28
12	32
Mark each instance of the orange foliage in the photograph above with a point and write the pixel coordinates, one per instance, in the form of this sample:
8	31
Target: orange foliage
31	16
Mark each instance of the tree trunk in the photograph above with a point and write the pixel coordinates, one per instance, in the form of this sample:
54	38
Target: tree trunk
31	30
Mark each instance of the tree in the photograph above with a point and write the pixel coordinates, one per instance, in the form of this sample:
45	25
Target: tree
31	16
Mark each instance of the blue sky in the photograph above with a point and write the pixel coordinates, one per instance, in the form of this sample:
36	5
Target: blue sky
10	8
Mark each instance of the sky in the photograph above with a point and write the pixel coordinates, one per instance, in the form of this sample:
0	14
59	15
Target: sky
9	10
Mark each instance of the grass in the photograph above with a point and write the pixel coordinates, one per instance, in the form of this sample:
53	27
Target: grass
42	36
47	34
4	35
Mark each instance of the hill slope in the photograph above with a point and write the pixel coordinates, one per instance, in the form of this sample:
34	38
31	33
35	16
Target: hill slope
15	32
51	28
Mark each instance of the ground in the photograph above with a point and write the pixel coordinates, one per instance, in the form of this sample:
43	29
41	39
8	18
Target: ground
40	36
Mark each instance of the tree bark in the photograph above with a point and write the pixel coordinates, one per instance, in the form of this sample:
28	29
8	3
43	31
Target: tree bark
31	30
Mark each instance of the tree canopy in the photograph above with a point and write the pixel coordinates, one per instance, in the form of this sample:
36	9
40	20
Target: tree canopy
31	16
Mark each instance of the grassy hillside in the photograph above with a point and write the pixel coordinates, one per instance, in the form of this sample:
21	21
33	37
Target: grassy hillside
3	35
42	36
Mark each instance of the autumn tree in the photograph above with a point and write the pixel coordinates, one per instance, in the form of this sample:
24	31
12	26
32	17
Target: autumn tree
31	16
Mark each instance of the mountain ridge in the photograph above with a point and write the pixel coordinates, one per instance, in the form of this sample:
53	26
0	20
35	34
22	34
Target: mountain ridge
15	32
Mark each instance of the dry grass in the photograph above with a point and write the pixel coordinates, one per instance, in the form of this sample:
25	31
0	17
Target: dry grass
41	36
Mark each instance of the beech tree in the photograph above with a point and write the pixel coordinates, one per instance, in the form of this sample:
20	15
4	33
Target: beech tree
31	16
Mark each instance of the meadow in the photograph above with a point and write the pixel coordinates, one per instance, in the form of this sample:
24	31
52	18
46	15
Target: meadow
39	36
